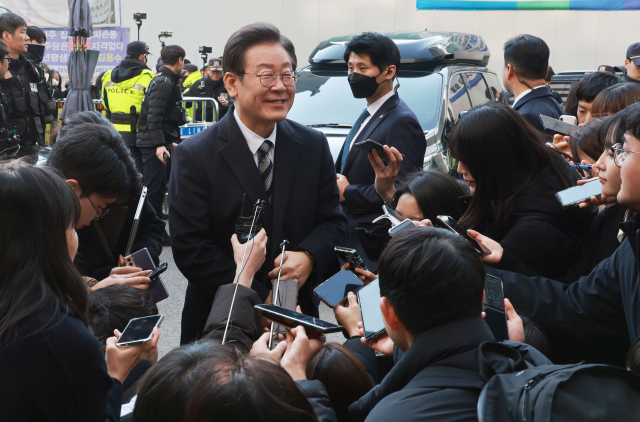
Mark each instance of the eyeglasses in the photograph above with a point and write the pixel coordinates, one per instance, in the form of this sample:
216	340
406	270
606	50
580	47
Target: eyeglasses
99	214
619	154
268	78
8	59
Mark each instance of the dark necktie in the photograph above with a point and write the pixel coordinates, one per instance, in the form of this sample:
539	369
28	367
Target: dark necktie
265	167
352	134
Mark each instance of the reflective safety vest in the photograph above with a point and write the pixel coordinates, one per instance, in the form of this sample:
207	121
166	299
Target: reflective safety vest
191	79
119	98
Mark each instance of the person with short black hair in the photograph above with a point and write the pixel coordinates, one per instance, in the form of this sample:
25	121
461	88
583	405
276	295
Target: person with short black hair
373	60
28	112
589	89
254	153
36	35
432	293
526	65
161	116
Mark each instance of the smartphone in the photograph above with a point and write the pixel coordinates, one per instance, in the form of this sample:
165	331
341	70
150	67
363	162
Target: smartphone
155	273
335	290
291	319
369	300
447	222
139	330
572	120
496	317
577	194
406	224
369	145
556	125
390	215
142	259
288	299
352	257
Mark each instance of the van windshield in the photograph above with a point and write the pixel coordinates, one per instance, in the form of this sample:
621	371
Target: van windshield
323	97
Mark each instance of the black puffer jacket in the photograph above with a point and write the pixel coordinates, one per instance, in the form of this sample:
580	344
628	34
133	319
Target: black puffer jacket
545	236
161	114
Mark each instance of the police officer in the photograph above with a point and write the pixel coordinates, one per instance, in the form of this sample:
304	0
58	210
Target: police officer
192	75
211	87
24	88
632	64
123	90
8	143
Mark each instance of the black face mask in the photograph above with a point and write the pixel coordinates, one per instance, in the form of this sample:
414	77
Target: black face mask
363	86
37	51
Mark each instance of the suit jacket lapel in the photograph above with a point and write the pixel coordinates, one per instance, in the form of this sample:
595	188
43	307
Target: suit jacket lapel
239	158
373	123
287	150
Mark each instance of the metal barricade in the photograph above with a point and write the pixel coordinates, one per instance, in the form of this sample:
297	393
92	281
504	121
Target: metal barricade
196	126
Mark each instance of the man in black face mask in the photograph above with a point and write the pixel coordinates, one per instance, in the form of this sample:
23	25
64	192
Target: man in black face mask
373	59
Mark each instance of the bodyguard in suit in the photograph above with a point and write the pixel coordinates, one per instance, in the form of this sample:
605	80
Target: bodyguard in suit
526	64
373	59
254	152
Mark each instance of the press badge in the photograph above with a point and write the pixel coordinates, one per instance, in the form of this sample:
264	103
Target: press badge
34	87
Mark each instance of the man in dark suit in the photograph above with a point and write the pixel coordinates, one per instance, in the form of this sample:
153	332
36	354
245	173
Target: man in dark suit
373	59
526	64
254	153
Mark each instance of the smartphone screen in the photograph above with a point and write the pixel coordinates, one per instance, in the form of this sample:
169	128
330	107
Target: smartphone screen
495	315
449	223
291	318
369	299
336	289
578	194
139	329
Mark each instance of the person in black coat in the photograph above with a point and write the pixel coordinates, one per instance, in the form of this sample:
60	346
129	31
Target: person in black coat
217	179
52	367
211	86
526	64
514	178
161	116
96	259
373	59
431	284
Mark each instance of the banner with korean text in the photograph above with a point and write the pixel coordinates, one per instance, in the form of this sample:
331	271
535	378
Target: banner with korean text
111	42
528	5
55	13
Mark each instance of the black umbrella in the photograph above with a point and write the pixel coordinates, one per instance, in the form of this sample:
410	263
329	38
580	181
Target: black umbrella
82	62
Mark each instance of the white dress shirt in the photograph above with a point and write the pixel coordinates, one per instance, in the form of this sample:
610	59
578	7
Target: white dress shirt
522	94
254	140
372	109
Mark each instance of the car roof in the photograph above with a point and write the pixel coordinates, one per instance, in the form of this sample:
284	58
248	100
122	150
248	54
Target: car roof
422	50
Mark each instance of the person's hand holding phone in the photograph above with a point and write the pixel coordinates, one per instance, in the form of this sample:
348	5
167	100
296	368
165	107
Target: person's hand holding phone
361	273
596	201
160	151
297	265
514	323
260	349
121	360
386	175
381	343
126	270
137	279
256	254
496	248
300	351
562	143
349	316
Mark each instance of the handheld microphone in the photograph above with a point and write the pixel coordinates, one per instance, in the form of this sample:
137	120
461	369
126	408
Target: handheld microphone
257	211
283	245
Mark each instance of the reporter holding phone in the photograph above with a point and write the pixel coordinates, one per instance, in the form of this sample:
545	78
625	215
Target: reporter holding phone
373	60
514	177
52	367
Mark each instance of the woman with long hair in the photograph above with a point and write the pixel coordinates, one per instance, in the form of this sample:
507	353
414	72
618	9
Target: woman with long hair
514	177
52	367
